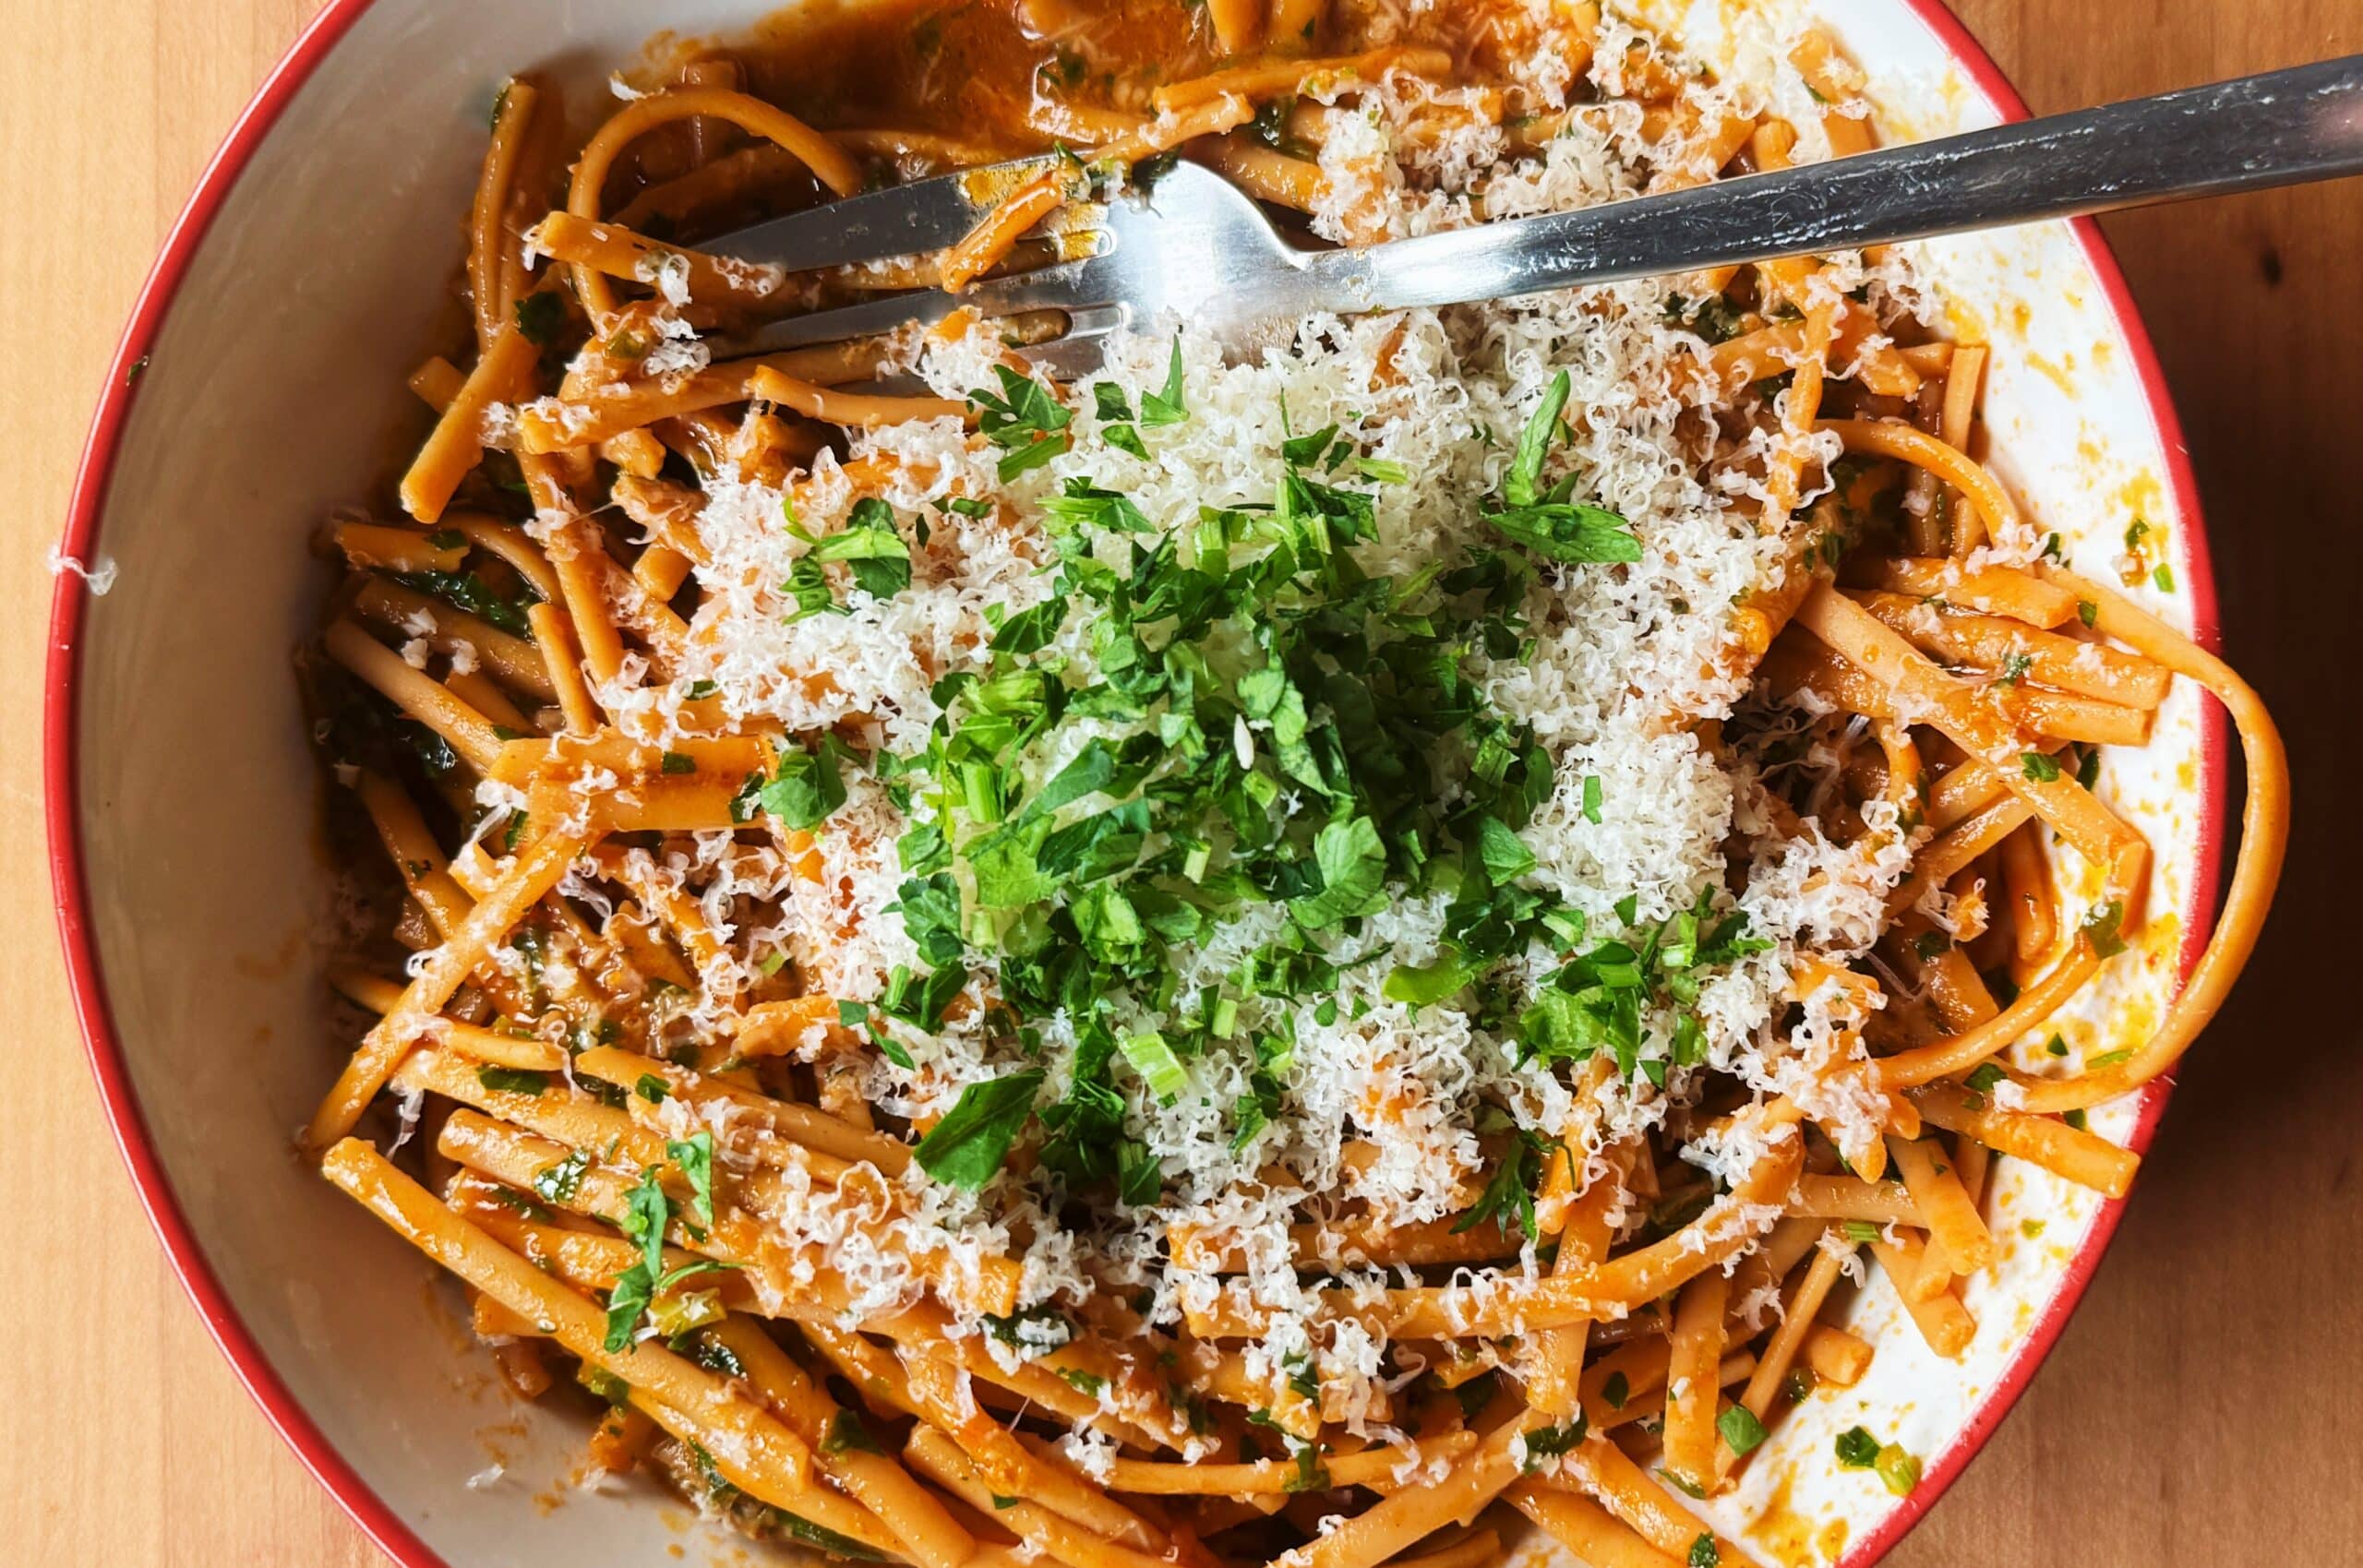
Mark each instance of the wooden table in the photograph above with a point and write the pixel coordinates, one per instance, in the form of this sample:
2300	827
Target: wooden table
2197	1412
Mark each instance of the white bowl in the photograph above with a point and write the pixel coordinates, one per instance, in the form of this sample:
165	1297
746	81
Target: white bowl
260	384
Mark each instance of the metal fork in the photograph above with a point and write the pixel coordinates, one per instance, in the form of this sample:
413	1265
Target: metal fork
1191	246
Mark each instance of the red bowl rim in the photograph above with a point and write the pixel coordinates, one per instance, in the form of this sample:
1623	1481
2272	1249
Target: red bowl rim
60	734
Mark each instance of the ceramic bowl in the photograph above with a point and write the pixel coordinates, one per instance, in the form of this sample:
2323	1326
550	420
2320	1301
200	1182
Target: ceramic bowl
259	385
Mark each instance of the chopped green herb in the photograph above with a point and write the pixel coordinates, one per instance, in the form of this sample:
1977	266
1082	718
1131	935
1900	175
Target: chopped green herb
513	1080
558	1183
807	788
694	1158
1743	1433
1545	1443
1156	1062
1026	421
2039	767
1166	406
846	1434
2103	926
965	1149
539	317
1857	1449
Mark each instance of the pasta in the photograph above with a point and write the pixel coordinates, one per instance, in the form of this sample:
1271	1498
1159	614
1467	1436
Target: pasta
1308	957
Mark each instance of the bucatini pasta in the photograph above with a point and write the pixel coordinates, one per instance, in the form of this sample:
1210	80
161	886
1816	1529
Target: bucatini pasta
1306	957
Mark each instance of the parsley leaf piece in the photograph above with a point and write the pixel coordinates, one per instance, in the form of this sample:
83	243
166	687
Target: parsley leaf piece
1545	1443
1743	1433
1568	532
558	1183
539	316
879	558
645	1214
846	1434
1166	407
1704	1553
807	788
2104	927
466	591
1024	421
1509	1193
513	1080
1504	854
2039	767
1352	864
1521	485
1428	986
1857	1449
965	1149
694	1156
931	910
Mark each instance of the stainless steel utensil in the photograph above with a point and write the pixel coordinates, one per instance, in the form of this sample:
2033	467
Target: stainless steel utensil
1192	247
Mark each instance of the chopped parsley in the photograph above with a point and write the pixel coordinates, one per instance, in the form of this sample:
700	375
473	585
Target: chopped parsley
965	1149
1545	1443
539	317
1509	1193
1547	522
1857	1449
558	1183
1025	420
846	1434
1742	1432
466	591
2103	927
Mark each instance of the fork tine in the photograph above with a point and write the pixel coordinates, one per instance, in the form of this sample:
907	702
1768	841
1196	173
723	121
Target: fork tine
868	318
1070	358
1065	285
1068	285
900	221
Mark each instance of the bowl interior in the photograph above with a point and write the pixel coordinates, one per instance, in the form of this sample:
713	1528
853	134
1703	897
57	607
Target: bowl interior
272	393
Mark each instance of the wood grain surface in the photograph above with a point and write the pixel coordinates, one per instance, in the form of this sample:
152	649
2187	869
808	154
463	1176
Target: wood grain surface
2198	1409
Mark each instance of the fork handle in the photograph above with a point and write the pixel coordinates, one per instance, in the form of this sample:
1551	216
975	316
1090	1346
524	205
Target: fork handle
2284	127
